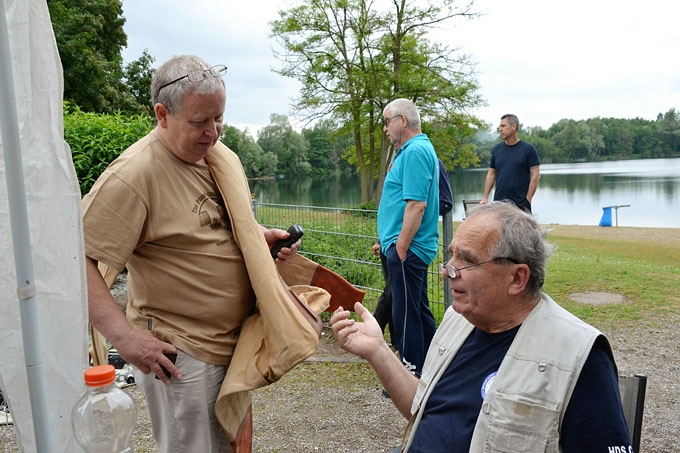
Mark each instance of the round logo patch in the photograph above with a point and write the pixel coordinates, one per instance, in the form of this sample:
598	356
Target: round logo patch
487	383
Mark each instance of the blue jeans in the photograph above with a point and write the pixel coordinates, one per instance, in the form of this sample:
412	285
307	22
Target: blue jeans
414	324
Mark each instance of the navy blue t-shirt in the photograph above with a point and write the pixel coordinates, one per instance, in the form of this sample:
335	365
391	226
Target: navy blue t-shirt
593	421
512	164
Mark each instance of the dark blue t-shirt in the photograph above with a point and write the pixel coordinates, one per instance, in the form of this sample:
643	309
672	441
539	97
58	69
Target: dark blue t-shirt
512	164
593	421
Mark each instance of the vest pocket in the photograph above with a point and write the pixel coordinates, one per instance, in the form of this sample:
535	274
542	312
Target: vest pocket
520	424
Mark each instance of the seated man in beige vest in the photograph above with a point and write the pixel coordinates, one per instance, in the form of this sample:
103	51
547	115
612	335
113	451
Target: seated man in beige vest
508	369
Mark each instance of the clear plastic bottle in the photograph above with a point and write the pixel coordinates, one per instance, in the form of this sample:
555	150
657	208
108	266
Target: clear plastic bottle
104	418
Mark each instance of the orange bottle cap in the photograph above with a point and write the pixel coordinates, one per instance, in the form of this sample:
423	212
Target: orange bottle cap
100	375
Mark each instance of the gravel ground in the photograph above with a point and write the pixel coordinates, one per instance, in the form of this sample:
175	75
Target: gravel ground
310	411
333	402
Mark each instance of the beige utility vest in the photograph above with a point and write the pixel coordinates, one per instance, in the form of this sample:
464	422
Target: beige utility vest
525	403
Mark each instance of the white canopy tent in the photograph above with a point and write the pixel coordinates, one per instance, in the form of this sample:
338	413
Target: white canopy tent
43	318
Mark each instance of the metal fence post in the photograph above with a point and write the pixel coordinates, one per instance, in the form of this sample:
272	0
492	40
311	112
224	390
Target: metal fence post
447	233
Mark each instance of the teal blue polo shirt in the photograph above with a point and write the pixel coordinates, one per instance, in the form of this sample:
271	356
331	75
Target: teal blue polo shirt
414	175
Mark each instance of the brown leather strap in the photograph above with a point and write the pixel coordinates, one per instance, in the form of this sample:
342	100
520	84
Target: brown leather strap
342	292
244	436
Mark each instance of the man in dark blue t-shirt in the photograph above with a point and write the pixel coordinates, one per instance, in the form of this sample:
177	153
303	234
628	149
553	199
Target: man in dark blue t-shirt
514	167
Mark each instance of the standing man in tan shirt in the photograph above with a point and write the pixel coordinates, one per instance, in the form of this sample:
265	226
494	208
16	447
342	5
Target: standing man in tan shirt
157	211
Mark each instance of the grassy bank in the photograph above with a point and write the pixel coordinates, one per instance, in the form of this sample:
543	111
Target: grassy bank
641	264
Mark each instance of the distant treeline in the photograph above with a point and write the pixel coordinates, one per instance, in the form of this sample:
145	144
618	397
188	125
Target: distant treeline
598	139
98	138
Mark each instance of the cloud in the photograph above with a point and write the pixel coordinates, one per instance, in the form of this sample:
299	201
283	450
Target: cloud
542	60
546	61
222	32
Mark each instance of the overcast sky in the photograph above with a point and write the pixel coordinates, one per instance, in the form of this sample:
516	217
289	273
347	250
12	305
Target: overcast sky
541	60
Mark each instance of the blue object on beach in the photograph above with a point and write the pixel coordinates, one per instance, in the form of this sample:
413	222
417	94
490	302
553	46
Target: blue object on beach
606	220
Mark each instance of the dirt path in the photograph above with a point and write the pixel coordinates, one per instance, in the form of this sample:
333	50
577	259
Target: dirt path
665	236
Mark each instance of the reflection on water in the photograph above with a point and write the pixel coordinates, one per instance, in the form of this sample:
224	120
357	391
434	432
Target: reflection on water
568	193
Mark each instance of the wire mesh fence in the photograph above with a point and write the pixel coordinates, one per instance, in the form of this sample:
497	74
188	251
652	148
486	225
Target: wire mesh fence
341	239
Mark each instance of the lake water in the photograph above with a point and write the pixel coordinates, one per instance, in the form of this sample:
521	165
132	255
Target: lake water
568	194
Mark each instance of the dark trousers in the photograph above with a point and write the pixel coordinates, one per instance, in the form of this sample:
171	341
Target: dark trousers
525	205
414	324
383	310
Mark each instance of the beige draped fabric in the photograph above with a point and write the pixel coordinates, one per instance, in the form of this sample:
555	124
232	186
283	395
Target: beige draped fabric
99	351
277	337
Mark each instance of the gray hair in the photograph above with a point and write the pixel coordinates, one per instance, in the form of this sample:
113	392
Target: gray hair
512	119
176	67
407	108
520	238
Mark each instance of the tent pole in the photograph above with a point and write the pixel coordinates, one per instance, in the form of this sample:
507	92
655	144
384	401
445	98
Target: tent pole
26	292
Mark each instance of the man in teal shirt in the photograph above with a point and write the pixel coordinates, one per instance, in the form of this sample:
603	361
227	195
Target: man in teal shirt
408	230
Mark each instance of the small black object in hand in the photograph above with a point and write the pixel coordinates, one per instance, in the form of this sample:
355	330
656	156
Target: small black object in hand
173	359
295	232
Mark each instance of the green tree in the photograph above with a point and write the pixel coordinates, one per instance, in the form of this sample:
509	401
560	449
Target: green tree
137	76
598	138
322	154
668	126
255	161
231	137
454	140
90	39
280	139
597	130
353	59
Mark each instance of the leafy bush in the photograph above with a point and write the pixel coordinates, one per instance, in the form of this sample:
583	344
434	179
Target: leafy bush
97	139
